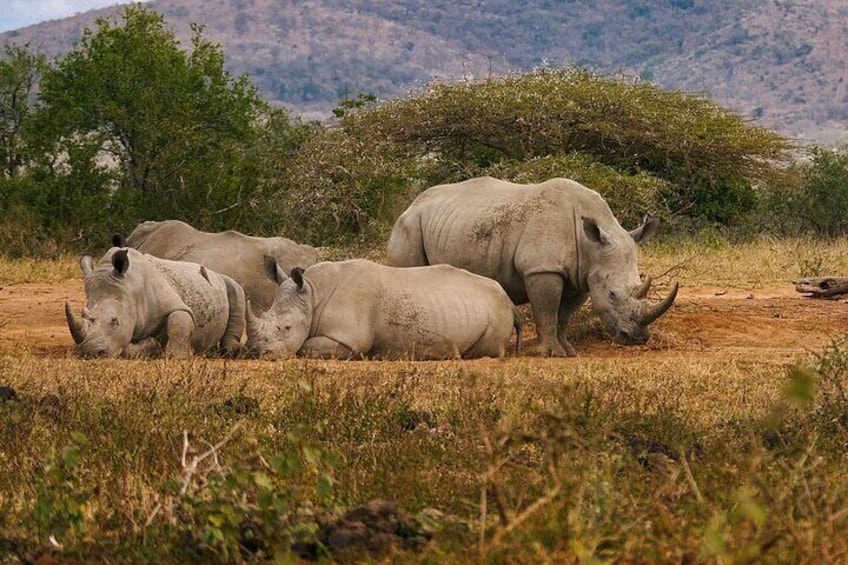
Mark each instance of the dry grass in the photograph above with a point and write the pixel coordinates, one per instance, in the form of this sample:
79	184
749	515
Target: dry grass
29	270
763	262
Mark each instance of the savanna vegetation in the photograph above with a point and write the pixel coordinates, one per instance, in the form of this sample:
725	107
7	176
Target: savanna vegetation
503	461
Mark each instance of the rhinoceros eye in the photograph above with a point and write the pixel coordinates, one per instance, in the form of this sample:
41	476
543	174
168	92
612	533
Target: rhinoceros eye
115	321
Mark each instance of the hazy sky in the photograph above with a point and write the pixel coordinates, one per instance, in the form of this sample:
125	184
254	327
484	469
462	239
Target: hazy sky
15	14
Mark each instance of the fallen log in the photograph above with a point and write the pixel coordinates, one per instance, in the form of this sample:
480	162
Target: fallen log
822	287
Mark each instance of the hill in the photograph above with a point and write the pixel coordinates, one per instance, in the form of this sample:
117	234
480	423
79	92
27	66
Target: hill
780	62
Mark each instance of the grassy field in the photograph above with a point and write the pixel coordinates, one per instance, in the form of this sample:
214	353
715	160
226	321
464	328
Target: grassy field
674	456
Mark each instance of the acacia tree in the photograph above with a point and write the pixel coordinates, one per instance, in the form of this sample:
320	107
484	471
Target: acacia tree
19	72
146	129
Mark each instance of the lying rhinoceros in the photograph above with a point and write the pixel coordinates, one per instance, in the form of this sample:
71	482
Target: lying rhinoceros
551	244
138	303
357	308
230	253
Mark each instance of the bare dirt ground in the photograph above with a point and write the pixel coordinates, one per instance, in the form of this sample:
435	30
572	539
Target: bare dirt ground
773	324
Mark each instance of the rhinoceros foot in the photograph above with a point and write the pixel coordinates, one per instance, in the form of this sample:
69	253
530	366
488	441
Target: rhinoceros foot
552	350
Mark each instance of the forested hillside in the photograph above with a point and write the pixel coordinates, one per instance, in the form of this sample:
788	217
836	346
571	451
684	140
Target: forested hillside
780	62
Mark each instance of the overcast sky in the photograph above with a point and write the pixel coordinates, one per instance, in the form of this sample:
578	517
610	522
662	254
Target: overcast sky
15	14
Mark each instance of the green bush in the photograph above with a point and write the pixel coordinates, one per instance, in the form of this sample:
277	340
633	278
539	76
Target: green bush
648	150
823	199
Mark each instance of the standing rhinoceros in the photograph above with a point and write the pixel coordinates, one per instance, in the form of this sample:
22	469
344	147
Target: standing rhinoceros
551	244
137	303
358	308
230	253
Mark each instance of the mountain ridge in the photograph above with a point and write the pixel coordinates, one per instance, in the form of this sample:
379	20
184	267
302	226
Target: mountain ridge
780	63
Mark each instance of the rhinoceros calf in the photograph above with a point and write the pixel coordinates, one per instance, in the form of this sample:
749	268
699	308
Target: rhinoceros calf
552	244
138	303
230	253
357	308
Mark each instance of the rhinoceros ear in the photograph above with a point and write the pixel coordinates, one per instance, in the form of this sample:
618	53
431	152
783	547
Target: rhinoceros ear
297	276
273	270
594	232
646	231
86	264
118	240
121	262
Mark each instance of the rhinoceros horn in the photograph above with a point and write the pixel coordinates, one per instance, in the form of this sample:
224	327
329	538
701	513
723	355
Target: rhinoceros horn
254	322
76	325
641	291
650	315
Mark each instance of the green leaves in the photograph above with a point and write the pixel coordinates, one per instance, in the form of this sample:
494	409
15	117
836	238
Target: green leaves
59	509
159	131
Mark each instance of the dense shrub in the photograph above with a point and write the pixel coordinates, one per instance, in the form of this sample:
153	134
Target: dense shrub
102	148
823	199
650	150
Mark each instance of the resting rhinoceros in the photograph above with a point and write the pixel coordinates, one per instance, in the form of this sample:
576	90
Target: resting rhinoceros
230	253
137	303
552	244
358	308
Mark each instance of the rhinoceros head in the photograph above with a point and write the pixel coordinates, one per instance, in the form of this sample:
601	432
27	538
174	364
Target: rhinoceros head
618	295
281	330
107	322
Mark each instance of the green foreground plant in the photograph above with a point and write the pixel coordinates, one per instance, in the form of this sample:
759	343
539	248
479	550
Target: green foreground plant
513	463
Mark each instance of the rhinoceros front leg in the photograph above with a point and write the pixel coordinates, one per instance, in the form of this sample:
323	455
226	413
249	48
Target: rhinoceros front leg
148	347
545	293
323	347
568	306
179	328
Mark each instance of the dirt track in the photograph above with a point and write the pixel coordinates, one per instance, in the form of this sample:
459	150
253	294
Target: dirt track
771	324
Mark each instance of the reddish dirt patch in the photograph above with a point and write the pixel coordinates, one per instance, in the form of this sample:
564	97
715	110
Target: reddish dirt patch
765	324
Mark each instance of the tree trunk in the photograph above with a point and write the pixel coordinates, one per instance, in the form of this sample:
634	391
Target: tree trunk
822	287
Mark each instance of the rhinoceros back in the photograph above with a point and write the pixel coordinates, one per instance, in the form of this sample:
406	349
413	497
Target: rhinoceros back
494	228
424	312
230	253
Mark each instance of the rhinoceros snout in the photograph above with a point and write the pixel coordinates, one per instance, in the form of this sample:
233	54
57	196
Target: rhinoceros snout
89	353
632	337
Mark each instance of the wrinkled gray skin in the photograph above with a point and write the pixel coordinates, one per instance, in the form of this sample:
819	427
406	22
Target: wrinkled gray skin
138	304
552	244
357	308
230	253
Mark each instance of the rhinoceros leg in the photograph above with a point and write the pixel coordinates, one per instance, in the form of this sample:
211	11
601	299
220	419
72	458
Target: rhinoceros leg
568	306
179	327
323	347
148	347
545	293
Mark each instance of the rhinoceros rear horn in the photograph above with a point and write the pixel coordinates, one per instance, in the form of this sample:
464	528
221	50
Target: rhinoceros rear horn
649	316
118	240
641	291
76	325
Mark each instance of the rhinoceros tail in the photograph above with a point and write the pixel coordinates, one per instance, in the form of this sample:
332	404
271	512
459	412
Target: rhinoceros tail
516	321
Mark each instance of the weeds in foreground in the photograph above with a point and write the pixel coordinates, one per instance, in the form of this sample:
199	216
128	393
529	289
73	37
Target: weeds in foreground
521	463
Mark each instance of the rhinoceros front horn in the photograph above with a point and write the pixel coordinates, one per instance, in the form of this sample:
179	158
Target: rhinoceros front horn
650	315
76	325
